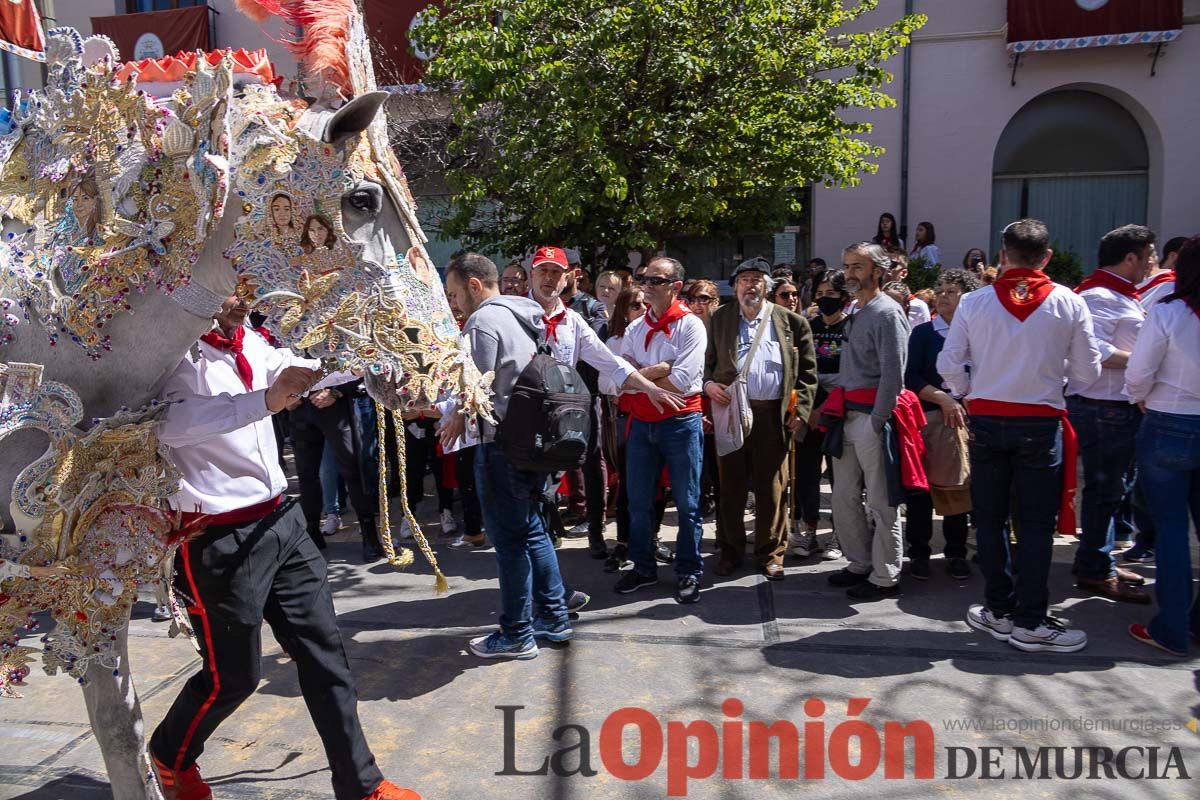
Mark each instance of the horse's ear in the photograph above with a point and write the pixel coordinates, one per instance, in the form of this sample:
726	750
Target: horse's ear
354	117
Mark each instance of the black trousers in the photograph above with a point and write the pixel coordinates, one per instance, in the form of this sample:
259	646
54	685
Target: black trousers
464	473
919	516
810	462
420	456
314	429
233	577
595	487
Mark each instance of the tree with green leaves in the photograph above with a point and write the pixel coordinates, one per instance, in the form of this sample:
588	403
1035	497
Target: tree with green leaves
613	125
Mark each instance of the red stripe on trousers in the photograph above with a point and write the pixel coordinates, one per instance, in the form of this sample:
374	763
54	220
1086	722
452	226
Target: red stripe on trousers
200	612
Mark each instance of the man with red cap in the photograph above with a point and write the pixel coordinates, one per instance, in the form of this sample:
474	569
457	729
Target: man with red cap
1009	352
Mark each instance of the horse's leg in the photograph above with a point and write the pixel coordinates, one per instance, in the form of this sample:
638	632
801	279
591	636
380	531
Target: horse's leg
116	717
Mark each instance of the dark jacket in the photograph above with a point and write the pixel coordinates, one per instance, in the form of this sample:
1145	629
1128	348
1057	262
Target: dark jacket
795	344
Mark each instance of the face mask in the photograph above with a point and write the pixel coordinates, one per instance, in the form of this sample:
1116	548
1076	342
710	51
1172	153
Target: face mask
829	305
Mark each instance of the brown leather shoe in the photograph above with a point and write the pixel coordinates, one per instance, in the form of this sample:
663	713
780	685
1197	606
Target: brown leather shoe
1113	589
725	568
1130	577
773	572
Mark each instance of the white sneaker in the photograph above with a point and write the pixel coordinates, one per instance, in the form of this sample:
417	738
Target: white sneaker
405	529
803	540
331	525
1049	637
448	524
162	614
833	551
981	618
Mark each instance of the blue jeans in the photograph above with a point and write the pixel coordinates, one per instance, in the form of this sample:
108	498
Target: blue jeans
525	557
677	442
365	421
1168	452
1025	454
1107	442
329	482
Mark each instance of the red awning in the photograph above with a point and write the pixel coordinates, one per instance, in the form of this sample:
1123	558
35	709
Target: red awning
21	29
387	23
1040	25
156	33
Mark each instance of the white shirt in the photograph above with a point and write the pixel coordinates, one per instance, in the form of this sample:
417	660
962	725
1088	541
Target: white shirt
918	312
1164	369
220	435
764	378
928	252
1116	320
1019	362
575	341
684	349
1151	297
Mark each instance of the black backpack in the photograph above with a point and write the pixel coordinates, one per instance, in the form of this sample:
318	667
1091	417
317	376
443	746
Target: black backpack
548	422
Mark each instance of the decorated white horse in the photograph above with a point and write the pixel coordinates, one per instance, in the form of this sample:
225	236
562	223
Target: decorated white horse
137	198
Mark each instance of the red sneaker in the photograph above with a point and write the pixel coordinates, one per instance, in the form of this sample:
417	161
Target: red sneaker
390	791
184	784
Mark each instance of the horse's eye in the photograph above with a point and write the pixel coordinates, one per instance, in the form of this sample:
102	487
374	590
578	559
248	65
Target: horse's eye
363	200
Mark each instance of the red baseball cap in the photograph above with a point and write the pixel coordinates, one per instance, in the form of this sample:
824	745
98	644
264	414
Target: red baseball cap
548	254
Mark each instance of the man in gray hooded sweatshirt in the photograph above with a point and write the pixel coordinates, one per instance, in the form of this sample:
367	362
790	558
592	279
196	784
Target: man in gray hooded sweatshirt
502	332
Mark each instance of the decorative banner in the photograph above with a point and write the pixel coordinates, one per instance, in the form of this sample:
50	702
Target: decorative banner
156	33
388	24
21	29
1041	25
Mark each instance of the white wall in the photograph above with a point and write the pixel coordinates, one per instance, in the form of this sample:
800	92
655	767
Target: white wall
962	98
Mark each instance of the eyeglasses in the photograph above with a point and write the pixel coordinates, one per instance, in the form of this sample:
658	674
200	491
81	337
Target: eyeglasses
652	280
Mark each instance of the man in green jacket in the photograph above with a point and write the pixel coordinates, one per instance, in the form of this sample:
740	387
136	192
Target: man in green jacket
781	381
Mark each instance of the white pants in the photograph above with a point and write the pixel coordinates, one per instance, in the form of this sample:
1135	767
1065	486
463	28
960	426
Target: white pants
878	552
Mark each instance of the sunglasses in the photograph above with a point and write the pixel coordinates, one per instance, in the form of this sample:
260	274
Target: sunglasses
703	298
652	280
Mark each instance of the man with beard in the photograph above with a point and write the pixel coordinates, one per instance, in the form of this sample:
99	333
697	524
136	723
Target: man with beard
871	378
781	379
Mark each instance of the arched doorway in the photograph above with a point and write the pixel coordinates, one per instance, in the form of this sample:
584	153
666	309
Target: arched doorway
1077	160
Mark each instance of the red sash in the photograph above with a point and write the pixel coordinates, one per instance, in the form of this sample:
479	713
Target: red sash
639	406
1104	279
999	408
191	521
1021	291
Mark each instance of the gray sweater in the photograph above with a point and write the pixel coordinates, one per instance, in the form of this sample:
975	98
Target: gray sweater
503	334
874	354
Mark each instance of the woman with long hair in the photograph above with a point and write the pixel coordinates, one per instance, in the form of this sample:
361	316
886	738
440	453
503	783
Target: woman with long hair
1163	378
887	235
924	247
281	218
703	298
786	294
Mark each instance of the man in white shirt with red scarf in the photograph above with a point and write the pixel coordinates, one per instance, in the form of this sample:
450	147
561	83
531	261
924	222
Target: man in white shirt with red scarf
252	560
1101	414
1009	352
673	340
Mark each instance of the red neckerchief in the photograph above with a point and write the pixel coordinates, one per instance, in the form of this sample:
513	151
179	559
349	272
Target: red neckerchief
1158	280
552	324
675	311
1107	280
232	345
265	332
1022	290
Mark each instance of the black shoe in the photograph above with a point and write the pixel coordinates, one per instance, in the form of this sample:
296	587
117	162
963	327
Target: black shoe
598	551
576	601
618	559
919	568
663	554
631	581
958	568
844	577
688	590
868	592
370	552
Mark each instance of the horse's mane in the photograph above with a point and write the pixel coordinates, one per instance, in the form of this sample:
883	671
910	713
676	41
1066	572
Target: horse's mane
322	46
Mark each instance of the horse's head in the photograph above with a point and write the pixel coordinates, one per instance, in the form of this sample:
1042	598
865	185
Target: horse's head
329	248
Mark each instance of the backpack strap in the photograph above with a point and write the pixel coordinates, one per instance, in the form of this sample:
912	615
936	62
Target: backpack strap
541	344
